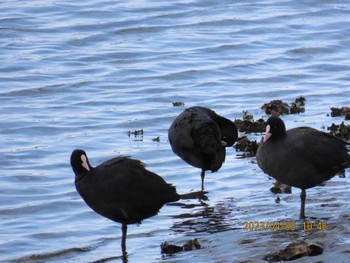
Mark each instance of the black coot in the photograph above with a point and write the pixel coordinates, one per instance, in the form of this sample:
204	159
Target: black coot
199	136
301	157
121	189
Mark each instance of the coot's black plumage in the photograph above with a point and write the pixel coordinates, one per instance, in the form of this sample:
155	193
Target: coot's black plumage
121	189
199	136
302	157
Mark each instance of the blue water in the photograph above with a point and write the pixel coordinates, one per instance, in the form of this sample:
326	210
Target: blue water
83	74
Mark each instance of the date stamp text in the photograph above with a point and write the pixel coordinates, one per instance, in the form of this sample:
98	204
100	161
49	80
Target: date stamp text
284	226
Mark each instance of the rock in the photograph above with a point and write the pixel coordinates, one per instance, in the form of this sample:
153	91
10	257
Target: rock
300	101
135	132
248	125
157	139
192	245
137	135
279	188
243	144
294	251
188	246
343	111
178	103
278	107
170	249
342	131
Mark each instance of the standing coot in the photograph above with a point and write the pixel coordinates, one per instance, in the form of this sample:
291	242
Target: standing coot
199	137
121	189
301	157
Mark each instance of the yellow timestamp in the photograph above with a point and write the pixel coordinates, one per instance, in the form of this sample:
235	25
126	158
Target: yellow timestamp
272	226
309	226
284	226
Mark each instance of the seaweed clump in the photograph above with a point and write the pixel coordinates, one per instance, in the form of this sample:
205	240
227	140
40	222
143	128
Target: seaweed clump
279	188
136	135
247	146
298	106
188	246
294	251
343	111
248	125
278	107
342	131
178	103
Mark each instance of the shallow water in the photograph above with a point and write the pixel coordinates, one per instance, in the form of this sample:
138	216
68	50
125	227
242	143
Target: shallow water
82	75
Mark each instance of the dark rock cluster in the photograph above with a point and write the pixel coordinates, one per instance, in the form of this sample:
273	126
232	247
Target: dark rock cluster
342	130
294	251
343	111
188	246
278	107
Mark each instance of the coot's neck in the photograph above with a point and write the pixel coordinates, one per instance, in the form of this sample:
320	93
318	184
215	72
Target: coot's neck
82	174
278	135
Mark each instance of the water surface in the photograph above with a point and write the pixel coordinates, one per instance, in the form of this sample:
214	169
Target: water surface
84	74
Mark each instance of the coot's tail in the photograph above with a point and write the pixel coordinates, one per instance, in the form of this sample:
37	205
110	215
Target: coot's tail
346	164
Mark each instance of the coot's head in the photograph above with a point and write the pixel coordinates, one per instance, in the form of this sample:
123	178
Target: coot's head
275	129
229	133
79	162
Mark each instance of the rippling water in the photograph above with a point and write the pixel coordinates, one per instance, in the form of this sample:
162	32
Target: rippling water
84	74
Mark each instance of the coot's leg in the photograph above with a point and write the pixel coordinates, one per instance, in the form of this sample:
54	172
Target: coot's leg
202	176
124	230
302	206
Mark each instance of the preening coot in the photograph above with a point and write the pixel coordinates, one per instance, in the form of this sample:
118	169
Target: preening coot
199	137
121	189
302	157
